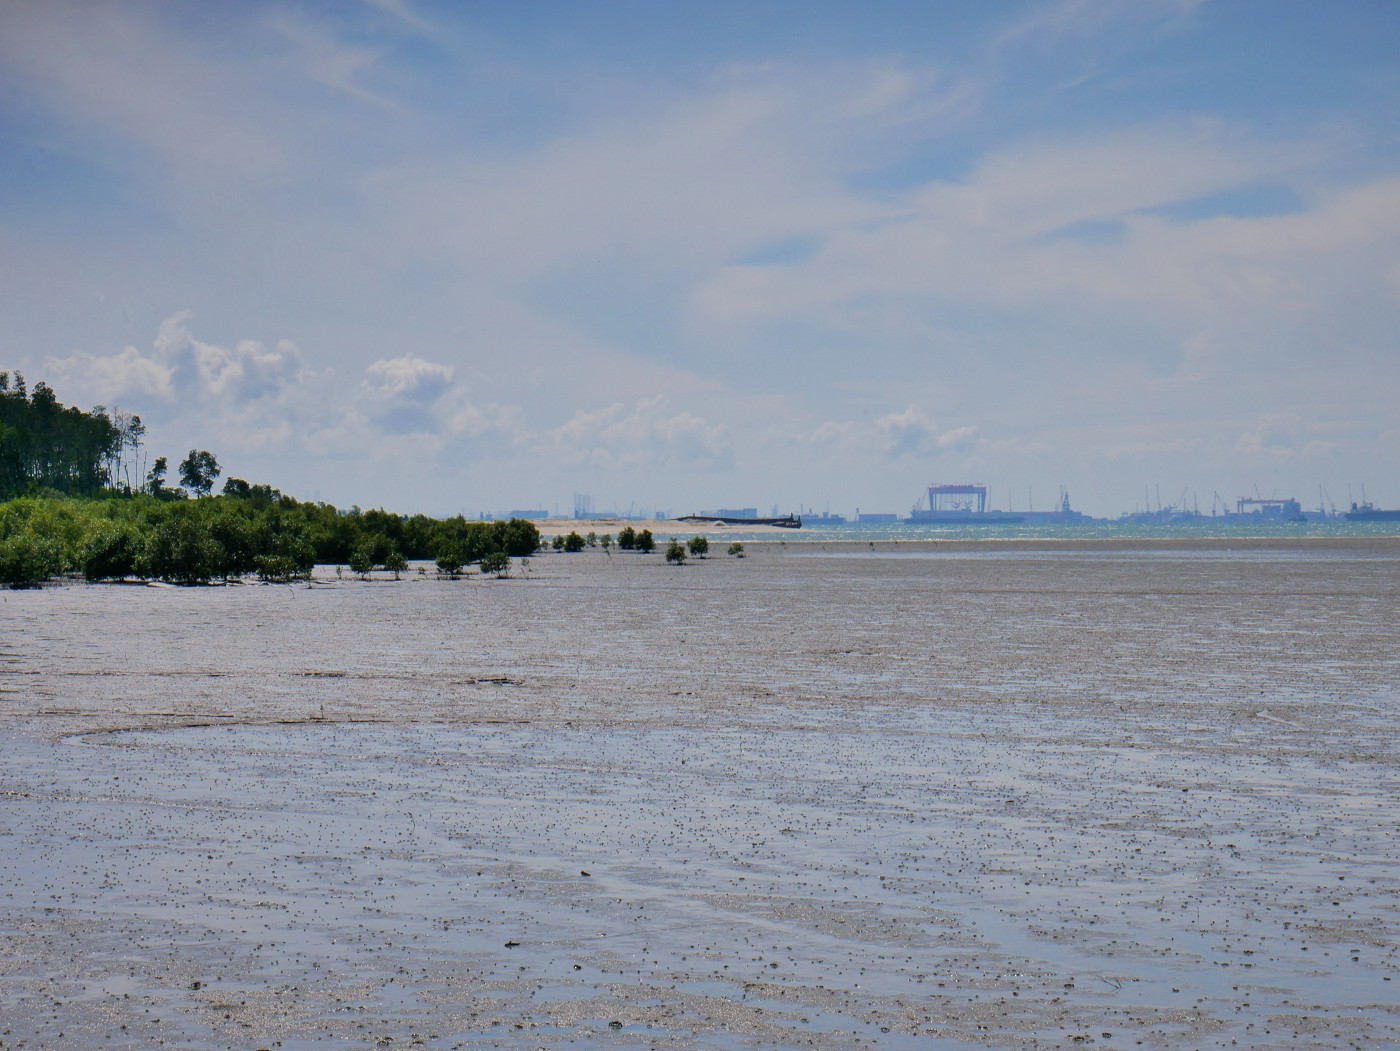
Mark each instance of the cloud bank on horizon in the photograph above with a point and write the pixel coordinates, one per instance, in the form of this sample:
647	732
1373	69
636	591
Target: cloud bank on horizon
451	258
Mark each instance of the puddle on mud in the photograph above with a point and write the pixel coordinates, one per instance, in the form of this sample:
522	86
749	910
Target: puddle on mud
860	827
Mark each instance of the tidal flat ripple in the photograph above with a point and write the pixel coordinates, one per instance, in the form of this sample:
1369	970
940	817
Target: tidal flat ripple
1007	798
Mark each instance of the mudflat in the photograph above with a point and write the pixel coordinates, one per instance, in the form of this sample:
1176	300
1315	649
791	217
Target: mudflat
824	796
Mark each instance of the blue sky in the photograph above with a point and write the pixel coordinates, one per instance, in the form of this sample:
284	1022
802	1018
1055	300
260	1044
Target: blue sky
452	257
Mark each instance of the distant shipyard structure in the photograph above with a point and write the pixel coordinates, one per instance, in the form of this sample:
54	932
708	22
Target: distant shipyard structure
1288	510
960	504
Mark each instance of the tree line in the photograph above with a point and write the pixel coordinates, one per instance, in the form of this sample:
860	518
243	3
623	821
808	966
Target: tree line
231	535
45	445
79	499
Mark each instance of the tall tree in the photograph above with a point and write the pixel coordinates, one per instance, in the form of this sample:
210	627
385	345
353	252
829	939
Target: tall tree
198	471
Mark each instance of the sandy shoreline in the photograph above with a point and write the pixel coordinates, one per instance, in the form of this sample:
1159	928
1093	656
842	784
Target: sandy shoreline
660	527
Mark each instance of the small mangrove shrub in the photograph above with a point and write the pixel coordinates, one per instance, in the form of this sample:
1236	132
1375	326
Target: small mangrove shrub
497	562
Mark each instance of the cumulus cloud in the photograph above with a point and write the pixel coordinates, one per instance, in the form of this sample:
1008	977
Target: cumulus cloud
1200	358
619	435
913	433
402	393
409	378
832	431
1274	434
477	421
248	371
182	368
111	377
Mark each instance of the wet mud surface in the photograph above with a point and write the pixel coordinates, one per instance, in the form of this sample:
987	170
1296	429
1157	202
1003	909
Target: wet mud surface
820	797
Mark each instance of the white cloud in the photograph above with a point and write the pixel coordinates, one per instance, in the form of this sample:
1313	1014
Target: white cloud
1274	434
1009	234
913	433
408	378
619	435
674	183
119	69
402	394
109	378
832	432
181	367
476	421
322	57
400	10
960	439
1200	359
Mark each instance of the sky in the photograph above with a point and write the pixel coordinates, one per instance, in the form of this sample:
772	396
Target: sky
462	257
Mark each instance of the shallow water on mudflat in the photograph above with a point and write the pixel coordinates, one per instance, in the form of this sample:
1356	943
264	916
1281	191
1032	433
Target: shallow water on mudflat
819	801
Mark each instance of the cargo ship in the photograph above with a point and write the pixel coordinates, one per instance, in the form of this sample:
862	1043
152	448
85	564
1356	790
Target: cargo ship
1371	513
782	521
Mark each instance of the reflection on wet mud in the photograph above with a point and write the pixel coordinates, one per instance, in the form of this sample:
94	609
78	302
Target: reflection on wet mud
792	802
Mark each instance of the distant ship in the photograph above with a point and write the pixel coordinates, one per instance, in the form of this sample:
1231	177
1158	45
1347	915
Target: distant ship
1060	516
1371	513
959	505
782	522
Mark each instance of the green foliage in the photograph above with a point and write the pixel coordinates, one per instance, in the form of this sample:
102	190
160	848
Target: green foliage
518	537
155	477
646	543
198	471
47	446
699	546
395	563
606	540
557	543
362	560
591	539
736	549
27	558
276	568
573	542
111	552
497	562
451	558
181	549
675	552
148	529
627	538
